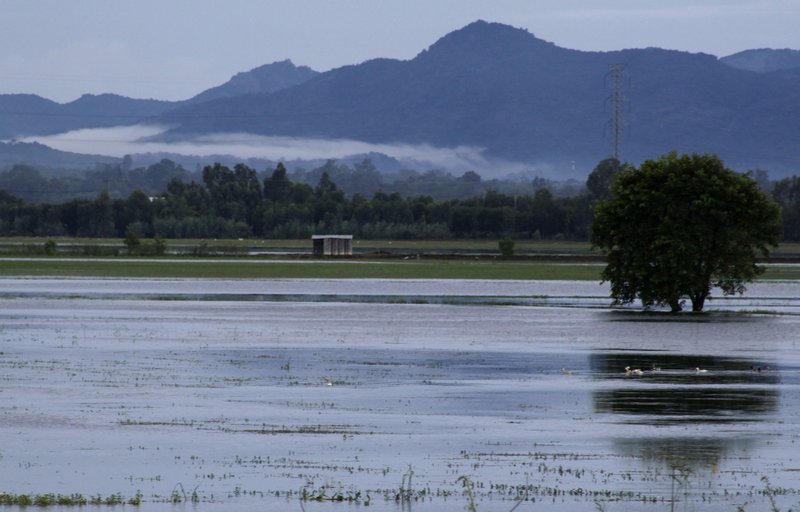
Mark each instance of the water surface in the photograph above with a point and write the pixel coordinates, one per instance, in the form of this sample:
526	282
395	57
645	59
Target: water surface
253	394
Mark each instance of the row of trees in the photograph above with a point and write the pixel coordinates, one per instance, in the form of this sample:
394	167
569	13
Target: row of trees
238	203
45	185
42	185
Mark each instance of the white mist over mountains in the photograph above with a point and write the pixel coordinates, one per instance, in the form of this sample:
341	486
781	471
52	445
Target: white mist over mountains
145	139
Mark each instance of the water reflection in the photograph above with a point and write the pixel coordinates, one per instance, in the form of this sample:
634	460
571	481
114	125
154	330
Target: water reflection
683	452
659	317
661	368
663	388
670	405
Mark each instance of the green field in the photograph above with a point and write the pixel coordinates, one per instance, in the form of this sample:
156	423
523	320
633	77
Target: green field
21	245
320	269
441	259
259	269
543	247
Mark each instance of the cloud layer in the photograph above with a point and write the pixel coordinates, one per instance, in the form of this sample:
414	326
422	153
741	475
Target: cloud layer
142	139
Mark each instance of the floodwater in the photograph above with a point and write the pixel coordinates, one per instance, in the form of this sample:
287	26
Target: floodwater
392	395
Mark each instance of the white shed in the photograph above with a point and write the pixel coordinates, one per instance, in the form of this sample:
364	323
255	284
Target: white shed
332	245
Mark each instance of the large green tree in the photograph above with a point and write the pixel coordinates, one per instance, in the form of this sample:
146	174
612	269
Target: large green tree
680	226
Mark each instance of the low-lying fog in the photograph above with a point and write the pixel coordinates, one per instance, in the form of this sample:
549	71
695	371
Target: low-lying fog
141	139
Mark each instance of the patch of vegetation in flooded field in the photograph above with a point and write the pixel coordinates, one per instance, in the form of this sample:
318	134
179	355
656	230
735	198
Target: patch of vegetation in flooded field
345	430
66	500
569	488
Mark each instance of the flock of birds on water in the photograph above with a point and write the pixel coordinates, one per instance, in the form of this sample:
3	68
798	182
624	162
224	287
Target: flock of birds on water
638	372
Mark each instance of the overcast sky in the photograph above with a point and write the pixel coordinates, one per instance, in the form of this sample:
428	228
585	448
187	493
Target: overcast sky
173	49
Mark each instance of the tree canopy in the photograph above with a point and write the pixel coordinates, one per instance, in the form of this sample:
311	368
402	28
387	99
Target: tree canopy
602	177
680	226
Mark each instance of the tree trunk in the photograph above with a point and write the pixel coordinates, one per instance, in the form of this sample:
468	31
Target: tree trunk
698	301
675	305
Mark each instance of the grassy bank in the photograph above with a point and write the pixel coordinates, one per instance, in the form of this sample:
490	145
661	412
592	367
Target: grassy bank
33	246
321	269
260	269
441	259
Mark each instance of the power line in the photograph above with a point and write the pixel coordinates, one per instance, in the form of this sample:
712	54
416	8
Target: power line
617	100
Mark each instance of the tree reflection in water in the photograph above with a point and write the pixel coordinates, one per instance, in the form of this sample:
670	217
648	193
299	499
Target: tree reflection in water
692	453
690	462
662	368
672	404
671	390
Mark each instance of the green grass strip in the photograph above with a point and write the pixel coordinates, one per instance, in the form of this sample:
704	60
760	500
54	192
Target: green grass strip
370	269
255	269
782	273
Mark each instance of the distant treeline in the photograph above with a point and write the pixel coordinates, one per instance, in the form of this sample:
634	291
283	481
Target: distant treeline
46	185
237	203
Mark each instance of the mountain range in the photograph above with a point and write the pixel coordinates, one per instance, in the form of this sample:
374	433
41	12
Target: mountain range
764	60
27	114
493	87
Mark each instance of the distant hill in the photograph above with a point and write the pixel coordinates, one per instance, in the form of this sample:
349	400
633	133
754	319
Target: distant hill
263	79
764	60
525	99
27	114
41	155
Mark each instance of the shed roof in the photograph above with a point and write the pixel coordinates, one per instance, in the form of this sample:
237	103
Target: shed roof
342	237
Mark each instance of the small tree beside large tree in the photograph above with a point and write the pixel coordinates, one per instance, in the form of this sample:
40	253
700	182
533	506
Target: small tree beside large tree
680	226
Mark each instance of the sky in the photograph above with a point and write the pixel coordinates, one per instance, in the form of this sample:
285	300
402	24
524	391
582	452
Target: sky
174	49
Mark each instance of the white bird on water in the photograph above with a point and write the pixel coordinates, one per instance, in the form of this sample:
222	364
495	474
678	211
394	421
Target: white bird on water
700	370
634	371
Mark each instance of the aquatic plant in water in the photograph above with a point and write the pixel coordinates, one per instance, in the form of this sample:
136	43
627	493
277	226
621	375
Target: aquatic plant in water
66	500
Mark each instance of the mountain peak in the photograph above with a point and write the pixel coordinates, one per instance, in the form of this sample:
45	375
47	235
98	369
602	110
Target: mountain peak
489	27
483	28
489	40
262	79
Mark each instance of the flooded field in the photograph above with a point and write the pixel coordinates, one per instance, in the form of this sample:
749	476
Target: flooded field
322	395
